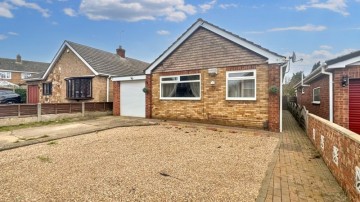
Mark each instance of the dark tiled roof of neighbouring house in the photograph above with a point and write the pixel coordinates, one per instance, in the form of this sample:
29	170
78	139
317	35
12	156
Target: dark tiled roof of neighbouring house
108	63
23	66
343	57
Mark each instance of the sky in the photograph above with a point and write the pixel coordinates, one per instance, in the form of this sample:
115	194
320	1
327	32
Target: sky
316	30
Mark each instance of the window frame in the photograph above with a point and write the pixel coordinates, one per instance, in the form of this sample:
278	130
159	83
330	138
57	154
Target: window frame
6	73
50	88
228	78
315	101
73	80
25	75
178	81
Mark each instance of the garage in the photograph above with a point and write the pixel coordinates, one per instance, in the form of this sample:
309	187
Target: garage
354	105
132	98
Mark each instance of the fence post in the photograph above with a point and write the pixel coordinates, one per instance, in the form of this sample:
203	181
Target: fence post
83	109
39	111
19	111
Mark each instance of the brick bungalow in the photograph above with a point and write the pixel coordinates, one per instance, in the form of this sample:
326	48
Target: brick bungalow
211	75
81	73
332	91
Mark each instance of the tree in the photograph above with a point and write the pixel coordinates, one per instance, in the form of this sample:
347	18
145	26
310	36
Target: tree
288	87
316	65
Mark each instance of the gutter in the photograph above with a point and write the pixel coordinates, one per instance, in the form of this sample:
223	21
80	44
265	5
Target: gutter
331	94
281	94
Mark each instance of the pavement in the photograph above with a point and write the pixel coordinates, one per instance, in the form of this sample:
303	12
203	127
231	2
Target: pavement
28	136
298	173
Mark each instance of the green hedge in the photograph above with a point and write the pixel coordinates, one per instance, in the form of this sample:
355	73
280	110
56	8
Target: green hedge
22	93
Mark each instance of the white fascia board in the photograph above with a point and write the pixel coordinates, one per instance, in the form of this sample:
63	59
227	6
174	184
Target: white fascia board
355	64
128	78
272	58
345	63
58	54
173	47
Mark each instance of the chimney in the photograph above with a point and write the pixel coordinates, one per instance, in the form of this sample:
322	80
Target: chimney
18	58
121	52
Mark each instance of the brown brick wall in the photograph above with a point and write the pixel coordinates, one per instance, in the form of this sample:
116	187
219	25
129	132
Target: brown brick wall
116	96
274	99
148	97
348	144
213	106
306	99
341	94
205	49
69	65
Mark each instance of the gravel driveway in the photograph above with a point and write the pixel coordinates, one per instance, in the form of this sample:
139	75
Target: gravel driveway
151	163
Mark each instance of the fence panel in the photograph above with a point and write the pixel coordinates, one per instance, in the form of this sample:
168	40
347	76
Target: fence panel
8	110
28	109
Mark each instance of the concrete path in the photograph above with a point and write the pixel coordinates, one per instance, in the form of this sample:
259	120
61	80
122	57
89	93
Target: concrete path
298	173
33	135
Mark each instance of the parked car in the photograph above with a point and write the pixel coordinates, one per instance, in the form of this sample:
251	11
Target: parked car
8	97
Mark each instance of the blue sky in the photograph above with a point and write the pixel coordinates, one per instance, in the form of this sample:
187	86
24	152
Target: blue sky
314	29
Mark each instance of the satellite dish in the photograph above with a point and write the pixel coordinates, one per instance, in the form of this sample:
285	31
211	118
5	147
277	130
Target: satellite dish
293	57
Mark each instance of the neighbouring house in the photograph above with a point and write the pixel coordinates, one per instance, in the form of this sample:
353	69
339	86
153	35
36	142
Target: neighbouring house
81	73
211	75
13	72
332	91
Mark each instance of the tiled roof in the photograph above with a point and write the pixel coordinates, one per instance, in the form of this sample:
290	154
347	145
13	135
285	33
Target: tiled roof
104	62
23	66
343	57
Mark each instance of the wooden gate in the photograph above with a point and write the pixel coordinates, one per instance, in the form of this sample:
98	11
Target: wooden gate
33	94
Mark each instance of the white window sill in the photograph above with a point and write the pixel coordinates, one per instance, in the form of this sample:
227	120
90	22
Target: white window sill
243	99
180	98
316	102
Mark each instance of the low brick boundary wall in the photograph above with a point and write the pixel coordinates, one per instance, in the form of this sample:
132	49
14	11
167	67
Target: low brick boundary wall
340	149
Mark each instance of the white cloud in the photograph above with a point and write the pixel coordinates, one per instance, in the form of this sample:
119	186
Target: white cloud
7	6
70	12
13	33
338	6
207	6
305	28
226	6
3	37
5	10
163	32
136	10
326	47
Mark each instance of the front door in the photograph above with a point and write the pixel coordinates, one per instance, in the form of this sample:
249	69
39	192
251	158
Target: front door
33	94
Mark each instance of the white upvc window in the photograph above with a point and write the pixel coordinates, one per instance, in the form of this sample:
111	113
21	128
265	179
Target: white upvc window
5	75
25	75
241	85
316	95
180	87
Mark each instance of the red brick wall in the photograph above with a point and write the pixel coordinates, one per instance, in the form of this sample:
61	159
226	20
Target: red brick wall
348	144
341	94
116	96
274	99
148	99
306	99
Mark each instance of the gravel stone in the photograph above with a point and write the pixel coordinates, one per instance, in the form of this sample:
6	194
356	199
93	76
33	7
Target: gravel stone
148	163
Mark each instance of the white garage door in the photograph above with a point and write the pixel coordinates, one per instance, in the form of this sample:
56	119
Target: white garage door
132	98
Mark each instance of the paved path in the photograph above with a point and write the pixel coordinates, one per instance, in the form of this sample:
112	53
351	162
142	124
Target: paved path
298	173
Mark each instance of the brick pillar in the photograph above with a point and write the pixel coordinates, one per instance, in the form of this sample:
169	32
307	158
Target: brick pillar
116	98
148	96
274	99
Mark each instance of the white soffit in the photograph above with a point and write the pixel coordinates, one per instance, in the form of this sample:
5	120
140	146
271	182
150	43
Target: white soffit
343	64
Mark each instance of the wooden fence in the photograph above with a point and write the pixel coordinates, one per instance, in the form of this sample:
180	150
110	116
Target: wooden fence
300	114
20	110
